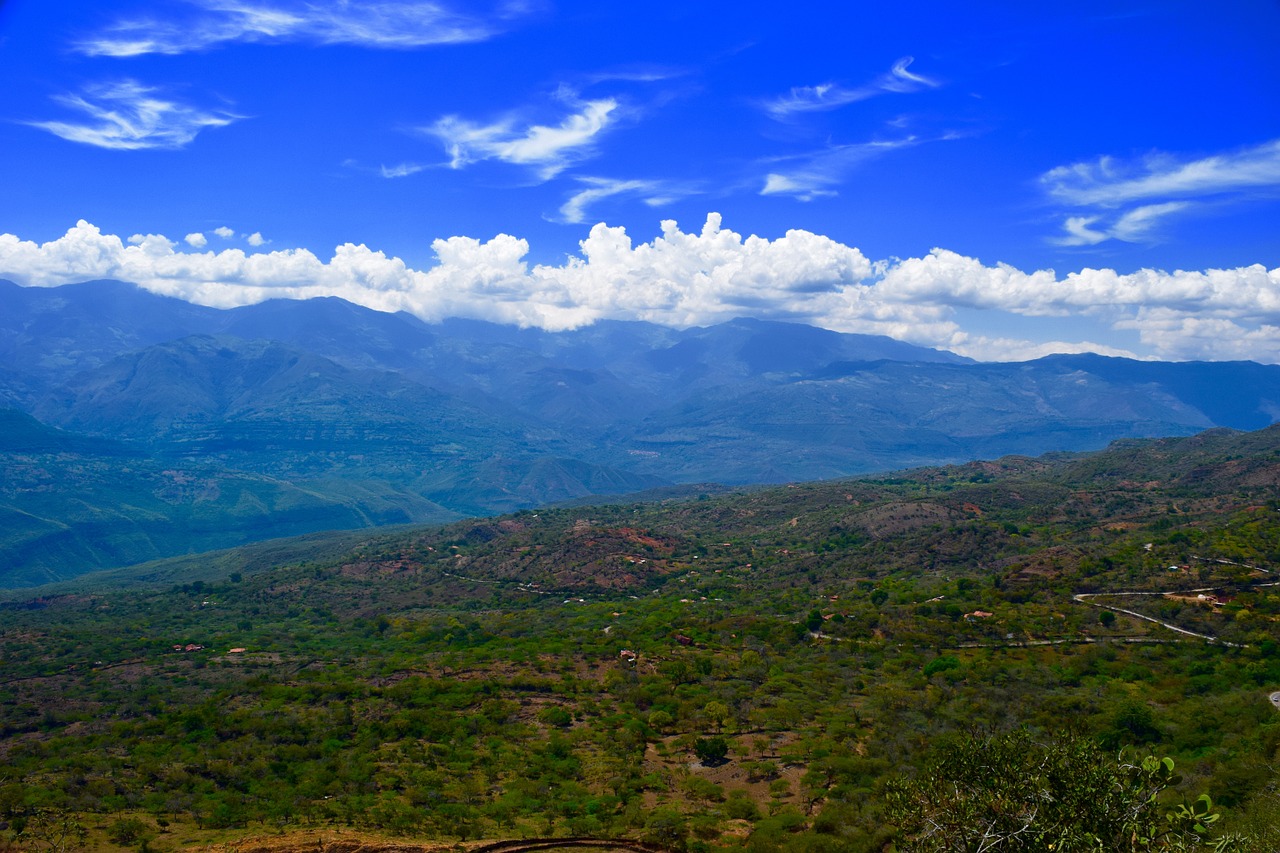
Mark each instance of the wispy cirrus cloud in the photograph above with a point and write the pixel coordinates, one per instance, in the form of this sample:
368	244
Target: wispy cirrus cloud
1115	199
547	149
389	24
652	193
816	174
1132	226
128	116
634	74
401	170
1109	181
830	96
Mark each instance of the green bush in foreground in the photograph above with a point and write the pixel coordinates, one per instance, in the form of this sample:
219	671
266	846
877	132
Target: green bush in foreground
1012	792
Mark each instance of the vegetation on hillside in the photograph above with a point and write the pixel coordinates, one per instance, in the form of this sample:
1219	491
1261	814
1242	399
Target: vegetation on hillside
811	667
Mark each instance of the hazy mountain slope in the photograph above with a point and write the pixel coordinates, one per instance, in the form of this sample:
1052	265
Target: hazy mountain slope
49	333
898	516
53	333
689	361
196	388
382	417
21	433
72	504
335	329
1240	394
893	414
505	484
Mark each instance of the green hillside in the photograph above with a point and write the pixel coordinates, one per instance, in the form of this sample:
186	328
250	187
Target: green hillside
807	667
71	504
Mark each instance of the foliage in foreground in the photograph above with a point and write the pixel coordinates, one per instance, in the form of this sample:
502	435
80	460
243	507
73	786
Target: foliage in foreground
1014	792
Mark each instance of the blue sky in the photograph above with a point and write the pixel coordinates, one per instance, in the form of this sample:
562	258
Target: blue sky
1001	179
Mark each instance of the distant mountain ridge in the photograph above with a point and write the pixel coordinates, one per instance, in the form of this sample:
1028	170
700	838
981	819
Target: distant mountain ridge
399	420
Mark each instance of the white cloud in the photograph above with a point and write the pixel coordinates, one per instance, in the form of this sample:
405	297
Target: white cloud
634	74
224	232
1249	296
684	279
575	209
805	185
255	239
653	194
127	115
1110	182
1080	232
1113	190
830	96
402	170
817	173
549	150
196	240
1136	224
396	24
984	348
1132	226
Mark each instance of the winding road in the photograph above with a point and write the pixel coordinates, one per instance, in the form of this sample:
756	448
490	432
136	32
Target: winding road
1082	598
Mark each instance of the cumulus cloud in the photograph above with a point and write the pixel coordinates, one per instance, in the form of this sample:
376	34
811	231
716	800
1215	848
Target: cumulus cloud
1131	197
696	278
127	115
395	24
224	232
1247	295
196	240
545	148
986	348
255	239
830	96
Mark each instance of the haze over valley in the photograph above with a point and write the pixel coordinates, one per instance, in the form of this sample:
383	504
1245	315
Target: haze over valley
143	426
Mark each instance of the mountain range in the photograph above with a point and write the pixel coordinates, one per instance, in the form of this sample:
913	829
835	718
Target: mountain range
140	426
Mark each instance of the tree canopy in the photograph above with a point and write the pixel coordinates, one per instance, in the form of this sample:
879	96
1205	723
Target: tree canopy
1016	792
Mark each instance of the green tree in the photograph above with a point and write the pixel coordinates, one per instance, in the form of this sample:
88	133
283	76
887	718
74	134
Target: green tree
942	663
717	713
127	831
1013	792
660	720
711	750
49	831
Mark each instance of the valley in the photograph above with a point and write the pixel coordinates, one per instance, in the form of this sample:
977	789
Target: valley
758	669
